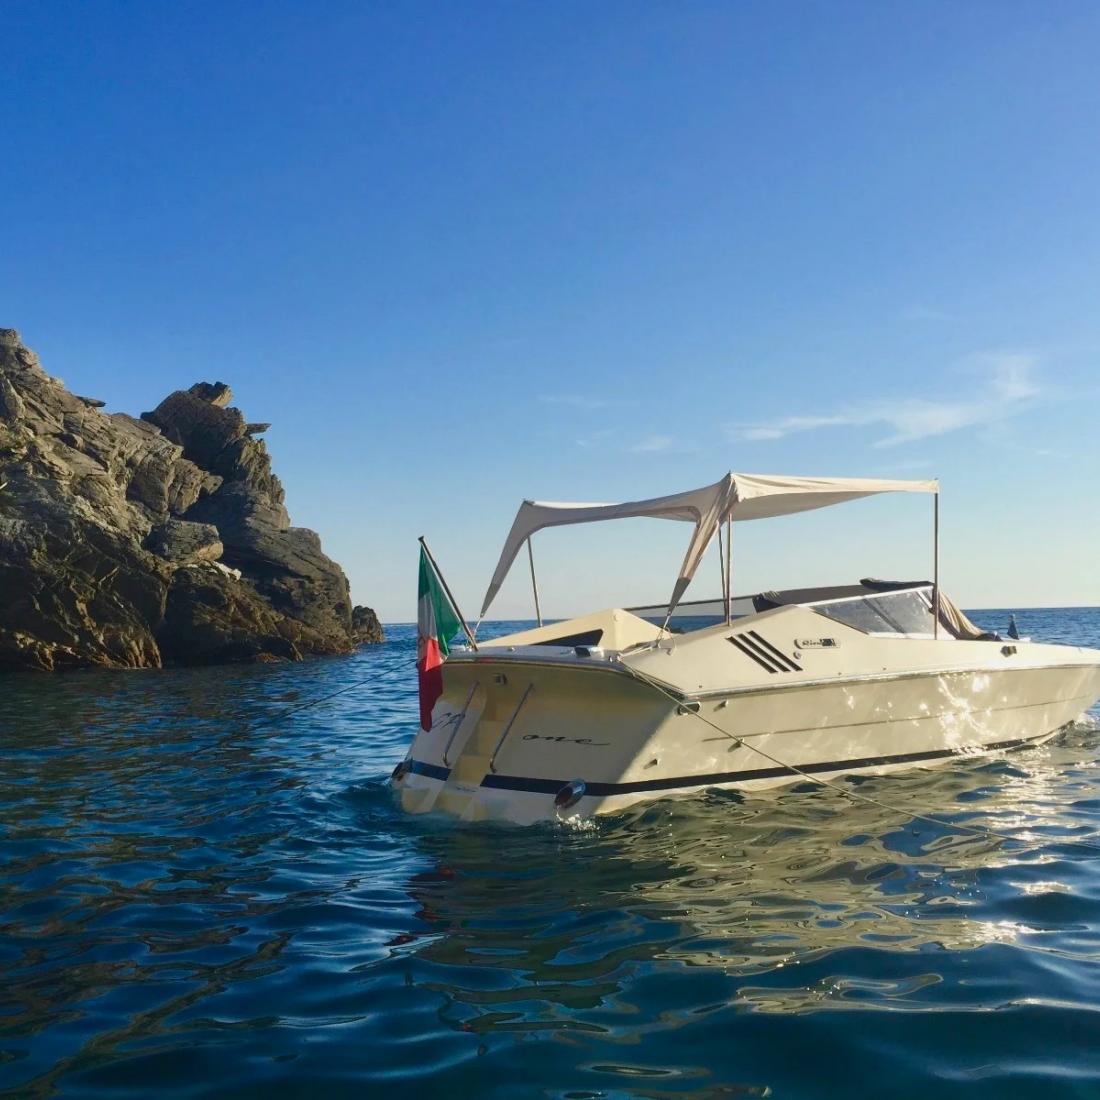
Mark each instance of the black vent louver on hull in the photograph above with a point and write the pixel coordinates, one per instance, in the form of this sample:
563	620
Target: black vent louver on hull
763	652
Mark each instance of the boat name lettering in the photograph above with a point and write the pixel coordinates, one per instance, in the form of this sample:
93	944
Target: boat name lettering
816	643
571	740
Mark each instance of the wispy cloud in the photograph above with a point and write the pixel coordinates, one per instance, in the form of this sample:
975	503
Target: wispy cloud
789	425
626	442
596	439
652	443
1007	385
574	401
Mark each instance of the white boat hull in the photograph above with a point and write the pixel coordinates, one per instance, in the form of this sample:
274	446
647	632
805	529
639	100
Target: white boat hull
516	725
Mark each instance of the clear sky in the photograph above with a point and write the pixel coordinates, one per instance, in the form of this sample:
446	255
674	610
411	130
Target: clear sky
463	254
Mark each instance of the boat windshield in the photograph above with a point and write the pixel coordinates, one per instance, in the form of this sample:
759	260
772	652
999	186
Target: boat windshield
897	611
908	612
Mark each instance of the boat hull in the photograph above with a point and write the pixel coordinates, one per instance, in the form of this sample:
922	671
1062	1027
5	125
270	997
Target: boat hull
510	733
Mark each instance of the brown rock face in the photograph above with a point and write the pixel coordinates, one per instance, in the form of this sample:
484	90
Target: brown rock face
177	540
365	626
213	617
121	538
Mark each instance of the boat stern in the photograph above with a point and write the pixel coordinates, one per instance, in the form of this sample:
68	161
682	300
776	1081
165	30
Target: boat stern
528	731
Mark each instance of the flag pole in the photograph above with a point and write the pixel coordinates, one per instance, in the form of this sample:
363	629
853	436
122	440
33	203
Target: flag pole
450	595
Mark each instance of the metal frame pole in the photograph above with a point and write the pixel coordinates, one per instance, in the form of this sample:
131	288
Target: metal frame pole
534	583
450	595
721	561
936	565
729	568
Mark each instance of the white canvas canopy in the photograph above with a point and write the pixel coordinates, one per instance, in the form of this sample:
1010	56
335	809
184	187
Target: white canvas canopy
736	497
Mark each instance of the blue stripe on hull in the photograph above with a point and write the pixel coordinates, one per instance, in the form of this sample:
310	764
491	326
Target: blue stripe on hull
713	779
710	779
432	771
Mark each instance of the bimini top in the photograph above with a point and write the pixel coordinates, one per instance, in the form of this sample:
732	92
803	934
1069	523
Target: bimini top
736	496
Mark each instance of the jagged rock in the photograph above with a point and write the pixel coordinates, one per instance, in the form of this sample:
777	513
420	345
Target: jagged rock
241	512
205	431
212	618
11	404
91	402
177	540
160	477
256	429
112	527
216	438
72	590
217	393
365	627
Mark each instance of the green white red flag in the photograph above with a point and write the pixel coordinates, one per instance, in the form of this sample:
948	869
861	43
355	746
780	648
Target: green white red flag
437	622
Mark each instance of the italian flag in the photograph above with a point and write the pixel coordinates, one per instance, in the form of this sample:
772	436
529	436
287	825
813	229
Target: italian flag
437	622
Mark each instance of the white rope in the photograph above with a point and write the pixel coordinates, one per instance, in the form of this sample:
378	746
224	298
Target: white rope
856	796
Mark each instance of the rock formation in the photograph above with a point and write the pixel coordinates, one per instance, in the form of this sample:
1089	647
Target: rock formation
365	627
134	542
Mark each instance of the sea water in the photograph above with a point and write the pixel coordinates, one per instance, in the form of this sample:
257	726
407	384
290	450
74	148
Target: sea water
205	890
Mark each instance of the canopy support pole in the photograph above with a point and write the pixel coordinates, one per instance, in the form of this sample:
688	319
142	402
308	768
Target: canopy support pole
450	595
721	561
936	565
729	566
534	583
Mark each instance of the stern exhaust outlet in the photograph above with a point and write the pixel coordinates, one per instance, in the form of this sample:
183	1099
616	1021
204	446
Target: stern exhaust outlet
570	794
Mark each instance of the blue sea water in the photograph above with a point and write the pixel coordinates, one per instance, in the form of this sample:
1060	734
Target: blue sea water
205	891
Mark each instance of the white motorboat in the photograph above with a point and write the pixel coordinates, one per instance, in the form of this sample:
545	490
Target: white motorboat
593	714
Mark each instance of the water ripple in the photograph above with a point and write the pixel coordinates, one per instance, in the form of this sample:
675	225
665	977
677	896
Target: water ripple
205	890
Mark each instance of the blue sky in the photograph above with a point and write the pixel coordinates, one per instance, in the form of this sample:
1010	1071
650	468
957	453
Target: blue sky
462	254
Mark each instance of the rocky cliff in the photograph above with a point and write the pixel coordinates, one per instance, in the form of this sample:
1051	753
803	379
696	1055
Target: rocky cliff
131	542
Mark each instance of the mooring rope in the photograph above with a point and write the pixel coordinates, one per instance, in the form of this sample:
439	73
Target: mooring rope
278	716
989	834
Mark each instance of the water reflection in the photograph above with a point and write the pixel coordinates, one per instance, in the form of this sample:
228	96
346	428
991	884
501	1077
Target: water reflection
799	902
152	845
192	900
